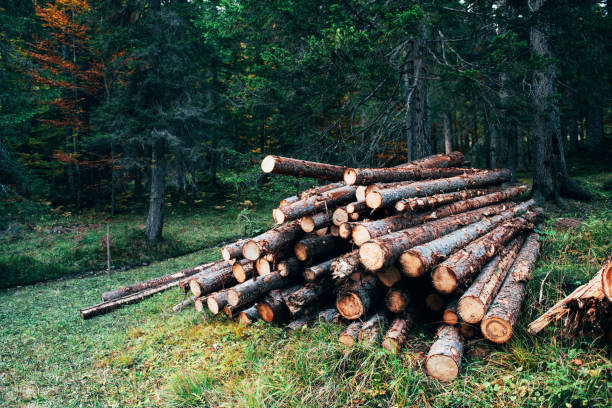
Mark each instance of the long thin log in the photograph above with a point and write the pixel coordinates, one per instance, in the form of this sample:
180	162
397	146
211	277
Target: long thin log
474	303
388	196
323	202
271	241
302	168
397	335
319	271
310	223
248	316
313	247
444	357
184	283
349	336
385	250
420	259
288	200
372	329
606	279
252	289
317	190
357	298
460	267
389	175
436	200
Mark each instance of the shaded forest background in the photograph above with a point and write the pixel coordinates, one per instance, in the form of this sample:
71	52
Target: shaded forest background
110	100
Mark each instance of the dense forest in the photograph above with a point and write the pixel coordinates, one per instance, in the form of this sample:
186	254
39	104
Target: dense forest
145	98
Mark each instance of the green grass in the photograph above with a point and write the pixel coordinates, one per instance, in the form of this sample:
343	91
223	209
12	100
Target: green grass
144	355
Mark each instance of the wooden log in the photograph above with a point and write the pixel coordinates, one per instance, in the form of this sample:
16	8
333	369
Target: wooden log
216	301
271	241
290	267
340	215
198	304
360	194
460	267
474	303
301	168
357	298
263	266
419	260
184	283
451	159
307	295
388	175
434	302
349	336
397	335
288	200
322	231
334	231
313	247
525	260
389	276
319	271
450	316
302	322
373	328
323	202
252	290
185	302
346	229
330	315
248	316
242	271
365	231
343	266
310	223
232	312
233	250
317	190
213	282
397	300
161	280
272	307
385	250
482	178
421	203
356	207
354	216
444	358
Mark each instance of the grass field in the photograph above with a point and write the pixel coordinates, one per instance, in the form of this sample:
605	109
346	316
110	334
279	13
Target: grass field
144	355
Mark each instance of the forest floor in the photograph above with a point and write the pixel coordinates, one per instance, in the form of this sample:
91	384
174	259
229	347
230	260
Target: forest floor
145	355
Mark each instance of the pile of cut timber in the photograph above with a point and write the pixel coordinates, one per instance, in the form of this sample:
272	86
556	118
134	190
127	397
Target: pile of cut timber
378	250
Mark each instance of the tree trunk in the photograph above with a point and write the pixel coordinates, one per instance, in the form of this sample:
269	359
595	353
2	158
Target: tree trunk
219	265
242	271
450	316
388	196
357	298
212	282
217	301
448	134
444	358
249	291
418	260
302	168
343	266
595	129
233	250
248	316
330	315
307	295
155	219
290	267
397	335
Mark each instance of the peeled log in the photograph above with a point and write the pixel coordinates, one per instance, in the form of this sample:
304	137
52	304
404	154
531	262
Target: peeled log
349	336
357	298
389	276
418	260
318	271
371	330
388	175
314	247
302	168
248	316
310	223
436	200
343	266
323	202
388	196
216	301
461	266
251	290
444	358
271	241
474	303
450	315
397	335
397	300
242	271
384	251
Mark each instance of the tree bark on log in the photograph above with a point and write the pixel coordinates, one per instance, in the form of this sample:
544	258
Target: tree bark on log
272	307
450	316
313	247
421	203
317	190
343	266
252	290
606	279
460	267
388	196
290	267
288	200
323	202
302	322
389	276
444	358
319	271
389	175
307	295
349	336
302	168
233	250
310	223
232	312
474	303
216	301
397	300
271	241
417	261
248	316
345	230
397	335
373	328
330	315
357	298
213	282
385	250
242	271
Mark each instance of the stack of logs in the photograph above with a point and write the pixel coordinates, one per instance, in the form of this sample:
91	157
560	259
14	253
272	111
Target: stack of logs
379	250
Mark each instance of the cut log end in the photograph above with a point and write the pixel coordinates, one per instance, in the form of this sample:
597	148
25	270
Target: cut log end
344	230
350	176
444	280
372	256
471	309
350	306
251	251
198	304
225	254
265	312
442	368
233	298
307	223
239	272
268	163
361	235
212	304
278	215
301	251
412	265
195	288
346	339
391	345
606	278
496	330
389	276
264	267
340	216
374	200
450	317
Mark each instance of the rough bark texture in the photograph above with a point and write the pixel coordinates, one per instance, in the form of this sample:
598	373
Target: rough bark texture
384	251
397	300
444	357
307	295
242	271
606	279
184	283
319	271
475	301
313	247
436	200
346	229
248	316
364	231
271	241
459	268
388	175
372	329
301	168
272	307
357	298
233	250
316	221
185	302
216	301
251	290
155	218
389	276
343	266
349	336
302	322
288	200
418	260
397	335
330	315
450	316
322	202
388	196
320	190
290	266
212	282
